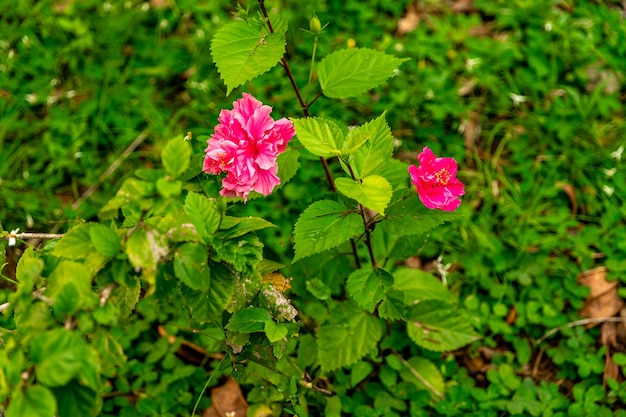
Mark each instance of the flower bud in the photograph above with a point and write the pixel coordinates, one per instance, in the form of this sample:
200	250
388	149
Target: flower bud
315	25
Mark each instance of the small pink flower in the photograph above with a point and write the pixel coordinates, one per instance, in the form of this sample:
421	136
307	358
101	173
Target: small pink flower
245	145
436	182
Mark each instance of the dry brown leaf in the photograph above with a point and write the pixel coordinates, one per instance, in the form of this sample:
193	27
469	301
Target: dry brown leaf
611	370
471	129
227	400
410	21
571	193
278	280
604	300
608	334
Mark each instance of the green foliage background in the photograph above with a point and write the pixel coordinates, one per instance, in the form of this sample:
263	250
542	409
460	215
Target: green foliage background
527	96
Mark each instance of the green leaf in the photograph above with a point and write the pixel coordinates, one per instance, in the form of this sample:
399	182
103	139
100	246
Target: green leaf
75	400
373	192
319	136
288	165
375	154
396	172
367	287
59	355
427	372
350	72
406	215
275	332
352	336
323	225
75	244
319	290
126	297
105	240
175	157
205	306
361	134
438	326
249	320
34	401
242	52
191	267
392	306
29	267
169	188
419	285
69	286
203	214
234	227
144	249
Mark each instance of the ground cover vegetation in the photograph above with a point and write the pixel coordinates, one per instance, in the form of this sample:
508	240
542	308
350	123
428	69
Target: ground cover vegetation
164	255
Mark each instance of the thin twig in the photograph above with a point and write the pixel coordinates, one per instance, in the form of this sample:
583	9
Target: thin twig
25	236
420	377
581	323
106	174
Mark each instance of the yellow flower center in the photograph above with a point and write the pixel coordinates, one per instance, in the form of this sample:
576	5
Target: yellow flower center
443	176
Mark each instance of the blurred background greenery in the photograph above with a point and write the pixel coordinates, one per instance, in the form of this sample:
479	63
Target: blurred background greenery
527	95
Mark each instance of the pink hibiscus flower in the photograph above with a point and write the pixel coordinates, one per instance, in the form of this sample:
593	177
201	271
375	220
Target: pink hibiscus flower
245	145
436	182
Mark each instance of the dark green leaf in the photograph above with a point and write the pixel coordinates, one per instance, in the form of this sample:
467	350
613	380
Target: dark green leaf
367	287
59	356
191	267
324	225
75	400
203	214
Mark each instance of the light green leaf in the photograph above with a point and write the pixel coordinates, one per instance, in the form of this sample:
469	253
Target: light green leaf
418	370
361	134
352	336
375	154
34	401
75	244
319	136
233	227
69	286
191	267
126	297
28	268
175	157
169	188
373	192
144	249
203	214
241	52
350	72
249	320
288	165
438	326
367	287
323	225
105	240
419	285
275	332
58	355
406	215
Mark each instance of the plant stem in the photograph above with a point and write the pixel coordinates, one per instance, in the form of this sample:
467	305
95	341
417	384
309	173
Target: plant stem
308	86
368	239
303	104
